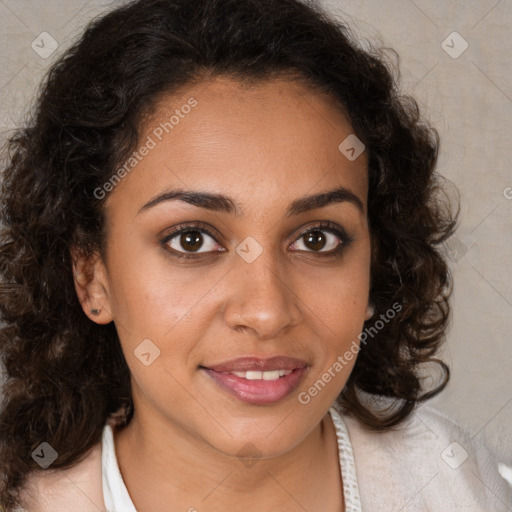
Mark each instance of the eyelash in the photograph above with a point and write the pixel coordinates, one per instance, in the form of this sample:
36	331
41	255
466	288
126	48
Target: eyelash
198	226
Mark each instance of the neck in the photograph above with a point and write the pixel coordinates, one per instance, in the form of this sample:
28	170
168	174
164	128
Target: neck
191	474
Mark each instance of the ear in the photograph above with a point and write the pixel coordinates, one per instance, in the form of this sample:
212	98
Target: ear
92	286
370	311
374	259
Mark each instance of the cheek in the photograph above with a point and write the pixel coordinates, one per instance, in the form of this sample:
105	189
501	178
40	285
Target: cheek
339	297
148	295
339	306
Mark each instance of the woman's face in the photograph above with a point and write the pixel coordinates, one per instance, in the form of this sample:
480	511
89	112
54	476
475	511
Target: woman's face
278	274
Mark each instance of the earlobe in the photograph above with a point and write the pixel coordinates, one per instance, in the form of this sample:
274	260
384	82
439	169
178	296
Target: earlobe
91	286
370	311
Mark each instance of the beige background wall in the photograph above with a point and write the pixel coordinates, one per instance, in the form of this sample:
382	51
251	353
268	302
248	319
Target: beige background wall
468	97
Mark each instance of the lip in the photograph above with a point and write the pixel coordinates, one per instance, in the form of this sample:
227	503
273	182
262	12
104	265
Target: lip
258	392
248	363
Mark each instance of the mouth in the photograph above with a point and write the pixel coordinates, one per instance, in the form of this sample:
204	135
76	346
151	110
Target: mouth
258	381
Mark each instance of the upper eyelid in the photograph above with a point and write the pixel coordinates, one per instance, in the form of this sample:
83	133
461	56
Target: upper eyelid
194	226
322	226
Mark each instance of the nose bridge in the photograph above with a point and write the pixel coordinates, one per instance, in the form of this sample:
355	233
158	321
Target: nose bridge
262	300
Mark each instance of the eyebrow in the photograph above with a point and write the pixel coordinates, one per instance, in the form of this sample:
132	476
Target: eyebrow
222	203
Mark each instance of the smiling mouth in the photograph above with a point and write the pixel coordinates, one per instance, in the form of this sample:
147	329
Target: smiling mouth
258	381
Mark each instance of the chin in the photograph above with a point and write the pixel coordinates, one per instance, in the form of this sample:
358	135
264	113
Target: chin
257	440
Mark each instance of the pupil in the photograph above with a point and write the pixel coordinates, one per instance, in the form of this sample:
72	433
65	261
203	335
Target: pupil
315	240
190	238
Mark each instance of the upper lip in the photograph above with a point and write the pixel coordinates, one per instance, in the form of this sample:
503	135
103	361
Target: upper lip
245	364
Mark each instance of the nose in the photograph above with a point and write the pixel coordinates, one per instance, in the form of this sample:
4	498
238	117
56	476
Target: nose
262	300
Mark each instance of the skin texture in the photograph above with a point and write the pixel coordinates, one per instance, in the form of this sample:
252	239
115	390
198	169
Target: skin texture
264	146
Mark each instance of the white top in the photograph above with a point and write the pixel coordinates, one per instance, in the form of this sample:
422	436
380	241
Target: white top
115	493
117	498
430	463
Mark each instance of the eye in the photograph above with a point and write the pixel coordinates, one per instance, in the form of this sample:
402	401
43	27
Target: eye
193	240
325	238
188	239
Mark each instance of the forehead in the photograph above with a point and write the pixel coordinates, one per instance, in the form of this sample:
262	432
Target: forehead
246	140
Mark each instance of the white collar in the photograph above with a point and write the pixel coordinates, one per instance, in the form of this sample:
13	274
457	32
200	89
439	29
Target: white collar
117	498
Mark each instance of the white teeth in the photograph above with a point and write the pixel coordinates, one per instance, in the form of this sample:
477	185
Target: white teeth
254	375
269	375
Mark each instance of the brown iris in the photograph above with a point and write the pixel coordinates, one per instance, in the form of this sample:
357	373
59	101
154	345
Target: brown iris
315	240
191	240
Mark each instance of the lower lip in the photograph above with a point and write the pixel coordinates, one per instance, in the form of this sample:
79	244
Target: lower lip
258	392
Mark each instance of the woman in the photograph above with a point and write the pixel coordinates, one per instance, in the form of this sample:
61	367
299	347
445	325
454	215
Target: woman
222	277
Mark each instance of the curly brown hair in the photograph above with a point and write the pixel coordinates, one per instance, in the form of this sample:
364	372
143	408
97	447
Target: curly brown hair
64	374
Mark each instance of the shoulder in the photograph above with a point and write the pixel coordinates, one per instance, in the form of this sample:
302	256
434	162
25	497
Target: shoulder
59	490
428	463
